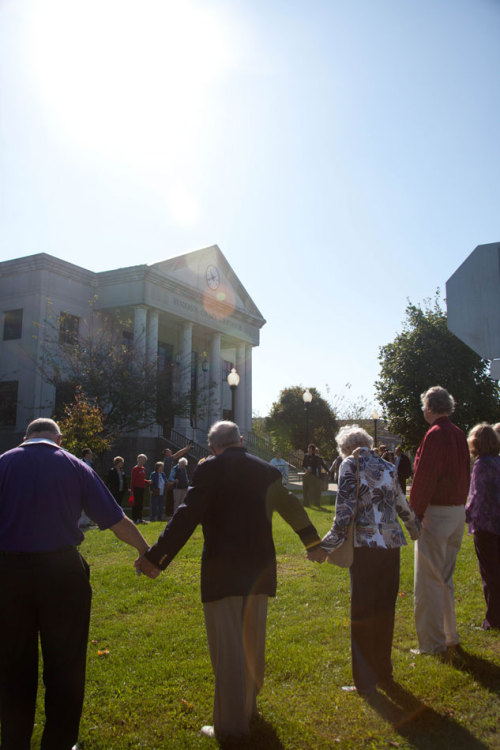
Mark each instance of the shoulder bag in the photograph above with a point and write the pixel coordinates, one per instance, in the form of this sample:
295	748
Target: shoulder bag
343	556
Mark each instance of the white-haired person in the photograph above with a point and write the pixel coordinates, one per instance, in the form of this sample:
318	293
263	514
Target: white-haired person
179	477
233	496
438	494
369	494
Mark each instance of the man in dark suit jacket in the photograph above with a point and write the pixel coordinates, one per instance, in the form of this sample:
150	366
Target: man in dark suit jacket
233	495
403	467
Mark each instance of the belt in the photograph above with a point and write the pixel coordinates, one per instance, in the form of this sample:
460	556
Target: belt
58	551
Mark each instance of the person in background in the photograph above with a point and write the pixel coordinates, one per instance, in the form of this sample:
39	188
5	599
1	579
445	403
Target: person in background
88	457
388	456
44	583
369	493
158	485
438	494
115	480
403	467
233	495
169	460
281	465
179	477
482	513
313	465
138	484
334	469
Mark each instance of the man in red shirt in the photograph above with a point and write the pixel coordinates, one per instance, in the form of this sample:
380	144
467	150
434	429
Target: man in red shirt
438	495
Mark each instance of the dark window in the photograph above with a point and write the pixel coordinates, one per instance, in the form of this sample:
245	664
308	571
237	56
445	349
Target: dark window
128	339
65	395
226	369
68	328
8	403
12	325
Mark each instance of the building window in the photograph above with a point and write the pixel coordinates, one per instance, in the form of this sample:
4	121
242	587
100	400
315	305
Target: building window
226	369
128	339
8	403
12	324
68	328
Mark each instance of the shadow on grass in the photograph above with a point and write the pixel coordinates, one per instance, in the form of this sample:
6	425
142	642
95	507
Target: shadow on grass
422	726
263	736
482	670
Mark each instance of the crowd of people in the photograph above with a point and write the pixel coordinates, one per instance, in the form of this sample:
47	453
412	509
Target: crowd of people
44	581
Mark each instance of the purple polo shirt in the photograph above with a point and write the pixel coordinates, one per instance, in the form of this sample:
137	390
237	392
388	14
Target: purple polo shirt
43	490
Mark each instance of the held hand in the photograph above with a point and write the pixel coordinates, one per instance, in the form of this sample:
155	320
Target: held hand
143	565
318	554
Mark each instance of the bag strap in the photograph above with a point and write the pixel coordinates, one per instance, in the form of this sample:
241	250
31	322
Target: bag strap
355	455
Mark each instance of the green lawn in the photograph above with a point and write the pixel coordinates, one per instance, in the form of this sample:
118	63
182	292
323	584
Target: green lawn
154	688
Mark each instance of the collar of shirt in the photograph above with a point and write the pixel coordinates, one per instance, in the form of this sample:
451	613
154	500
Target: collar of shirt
33	441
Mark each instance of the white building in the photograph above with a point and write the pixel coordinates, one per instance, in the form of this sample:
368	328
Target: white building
190	312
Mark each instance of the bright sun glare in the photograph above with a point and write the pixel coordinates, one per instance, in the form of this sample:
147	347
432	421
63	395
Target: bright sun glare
132	83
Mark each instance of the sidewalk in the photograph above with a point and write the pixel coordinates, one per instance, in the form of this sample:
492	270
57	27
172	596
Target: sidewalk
331	493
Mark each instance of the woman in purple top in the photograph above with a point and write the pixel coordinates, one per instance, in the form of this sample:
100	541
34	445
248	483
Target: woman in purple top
482	513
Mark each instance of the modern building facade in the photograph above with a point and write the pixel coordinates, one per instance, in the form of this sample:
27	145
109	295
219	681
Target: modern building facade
189	313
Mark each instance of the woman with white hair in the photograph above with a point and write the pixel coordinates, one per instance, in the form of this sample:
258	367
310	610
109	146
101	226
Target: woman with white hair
369	493
179	477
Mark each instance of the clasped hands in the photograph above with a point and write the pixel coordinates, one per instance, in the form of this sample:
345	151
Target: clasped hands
317	554
143	565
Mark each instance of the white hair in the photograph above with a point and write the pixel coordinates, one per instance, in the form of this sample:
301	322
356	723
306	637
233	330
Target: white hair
350	437
183	461
223	434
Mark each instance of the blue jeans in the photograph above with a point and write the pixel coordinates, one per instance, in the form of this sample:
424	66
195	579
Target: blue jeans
157	502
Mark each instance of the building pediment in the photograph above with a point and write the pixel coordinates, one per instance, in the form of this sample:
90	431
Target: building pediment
209	274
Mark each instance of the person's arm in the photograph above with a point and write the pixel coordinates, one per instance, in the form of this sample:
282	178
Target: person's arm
291	510
182	524
127	532
182	451
344	507
427	470
406	513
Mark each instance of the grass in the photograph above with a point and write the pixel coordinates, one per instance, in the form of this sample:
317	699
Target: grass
154	688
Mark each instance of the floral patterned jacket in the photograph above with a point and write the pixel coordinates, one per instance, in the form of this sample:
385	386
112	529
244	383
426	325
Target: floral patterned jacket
380	502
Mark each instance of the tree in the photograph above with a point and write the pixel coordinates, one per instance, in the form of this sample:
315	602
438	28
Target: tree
287	422
425	354
82	426
346	408
111	371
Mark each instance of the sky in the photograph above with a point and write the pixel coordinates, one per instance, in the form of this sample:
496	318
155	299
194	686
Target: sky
343	154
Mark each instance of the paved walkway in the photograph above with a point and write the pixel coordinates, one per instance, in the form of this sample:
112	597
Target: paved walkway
330	493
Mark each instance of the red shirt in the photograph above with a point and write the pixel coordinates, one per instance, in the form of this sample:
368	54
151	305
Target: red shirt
138	477
442	468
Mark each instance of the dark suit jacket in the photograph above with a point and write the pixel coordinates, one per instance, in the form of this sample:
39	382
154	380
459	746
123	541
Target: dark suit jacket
404	468
113	483
233	496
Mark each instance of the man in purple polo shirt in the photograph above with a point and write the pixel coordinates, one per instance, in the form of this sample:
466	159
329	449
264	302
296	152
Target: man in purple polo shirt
44	583
438	494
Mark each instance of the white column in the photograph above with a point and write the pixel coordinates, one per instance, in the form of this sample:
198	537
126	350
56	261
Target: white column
185	376
215	398
140	318
152	336
240	395
248	387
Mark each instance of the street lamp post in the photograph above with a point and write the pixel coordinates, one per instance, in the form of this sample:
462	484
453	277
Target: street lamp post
307	398
375	418
233	380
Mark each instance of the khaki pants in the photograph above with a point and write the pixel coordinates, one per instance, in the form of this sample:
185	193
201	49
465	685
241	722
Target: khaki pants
435	556
236	632
179	496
